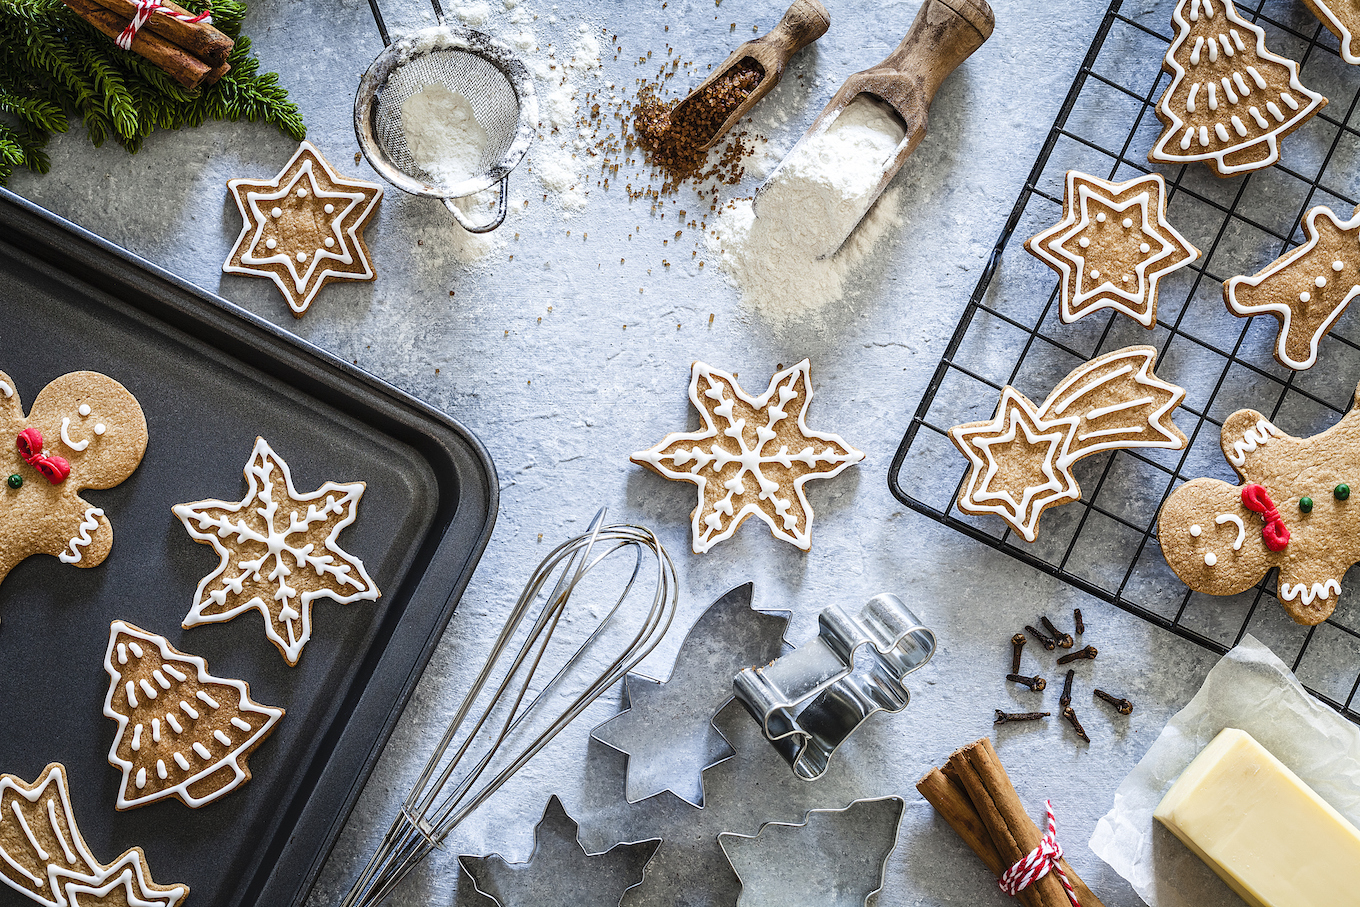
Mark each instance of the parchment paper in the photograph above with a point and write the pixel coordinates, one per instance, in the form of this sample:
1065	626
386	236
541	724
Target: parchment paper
1249	689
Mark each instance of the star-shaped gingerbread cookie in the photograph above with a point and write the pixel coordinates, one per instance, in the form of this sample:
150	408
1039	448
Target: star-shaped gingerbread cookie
278	551
1112	246
752	456
303	228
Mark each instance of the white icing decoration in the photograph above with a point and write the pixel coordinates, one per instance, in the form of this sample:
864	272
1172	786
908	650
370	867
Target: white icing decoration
1306	593
181	667
161	771
147	688
49	793
155	729
84	409
5	390
1285	312
131	694
1127	222
271	243
221	738
188	709
330	242
330	209
122	654
1320	282
1162	151
136	649
175	726
211	703
1210	559
77	446
56	830
302	256
1195	530
1304	296
302	193
1338	265
1212	89
157	676
1241	530
100	428
181	761
127	880
137	738
201	750
276	212
28	832
1252	438
239	723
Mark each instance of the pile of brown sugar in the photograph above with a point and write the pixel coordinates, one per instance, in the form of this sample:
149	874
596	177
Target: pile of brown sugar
674	135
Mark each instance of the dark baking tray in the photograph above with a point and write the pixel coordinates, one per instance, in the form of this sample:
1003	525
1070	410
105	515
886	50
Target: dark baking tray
210	378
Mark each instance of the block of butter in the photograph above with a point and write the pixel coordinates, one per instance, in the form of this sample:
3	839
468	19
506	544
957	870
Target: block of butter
1265	832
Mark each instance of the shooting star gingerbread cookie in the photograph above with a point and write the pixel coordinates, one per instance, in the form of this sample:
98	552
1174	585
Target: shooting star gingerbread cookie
1020	461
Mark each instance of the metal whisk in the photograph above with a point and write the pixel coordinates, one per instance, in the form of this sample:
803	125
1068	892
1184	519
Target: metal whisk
485	71
448	789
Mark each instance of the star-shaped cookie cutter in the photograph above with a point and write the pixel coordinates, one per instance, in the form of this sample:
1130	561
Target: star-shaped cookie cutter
809	701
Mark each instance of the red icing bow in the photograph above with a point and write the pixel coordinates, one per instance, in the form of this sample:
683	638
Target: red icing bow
1275	532
53	469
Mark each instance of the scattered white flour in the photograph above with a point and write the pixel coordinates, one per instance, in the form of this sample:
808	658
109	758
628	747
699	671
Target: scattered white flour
814	200
475	13
443	134
559	158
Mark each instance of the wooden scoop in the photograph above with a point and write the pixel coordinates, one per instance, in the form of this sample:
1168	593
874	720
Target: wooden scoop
804	22
943	35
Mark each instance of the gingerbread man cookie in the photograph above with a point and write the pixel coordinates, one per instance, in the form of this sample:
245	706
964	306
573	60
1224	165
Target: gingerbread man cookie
1020	461
1292	511
1230	100
1307	289
85	430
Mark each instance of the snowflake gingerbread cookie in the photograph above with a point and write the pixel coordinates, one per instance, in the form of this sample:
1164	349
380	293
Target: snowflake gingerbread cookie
85	430
1292	511
1020	461
278	552
303	228
1230	100
752	456
1307	289
1112	246
44	857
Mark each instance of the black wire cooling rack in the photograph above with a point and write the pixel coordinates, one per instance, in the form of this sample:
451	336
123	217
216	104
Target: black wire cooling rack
1011	333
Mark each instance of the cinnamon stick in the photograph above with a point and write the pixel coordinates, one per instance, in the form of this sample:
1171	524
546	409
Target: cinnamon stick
198	38
975	796
178	63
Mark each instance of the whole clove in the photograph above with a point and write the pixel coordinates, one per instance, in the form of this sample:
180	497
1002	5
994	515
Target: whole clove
1035	683
1044	641
1122	706
1003	717
1064	640
1066	699
1076	618
1017	643
1070	714
1088	652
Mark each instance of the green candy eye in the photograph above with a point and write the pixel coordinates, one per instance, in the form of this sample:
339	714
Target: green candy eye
16	481
1341	492
1306	504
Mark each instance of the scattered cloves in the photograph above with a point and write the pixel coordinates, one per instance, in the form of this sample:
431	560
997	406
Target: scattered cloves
1003	717
1122	706
1081	624
1066	699
1035	683
1070	714
1062	639
1017	643
1088	652
1044	641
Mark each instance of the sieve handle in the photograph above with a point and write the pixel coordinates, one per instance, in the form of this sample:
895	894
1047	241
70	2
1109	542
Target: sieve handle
495	221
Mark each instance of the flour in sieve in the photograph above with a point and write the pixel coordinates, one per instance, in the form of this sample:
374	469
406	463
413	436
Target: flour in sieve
815	199
443	134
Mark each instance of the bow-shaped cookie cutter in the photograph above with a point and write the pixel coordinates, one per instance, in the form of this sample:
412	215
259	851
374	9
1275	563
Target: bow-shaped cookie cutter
809	701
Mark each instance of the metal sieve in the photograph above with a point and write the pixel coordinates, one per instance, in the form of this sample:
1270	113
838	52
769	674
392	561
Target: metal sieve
485	71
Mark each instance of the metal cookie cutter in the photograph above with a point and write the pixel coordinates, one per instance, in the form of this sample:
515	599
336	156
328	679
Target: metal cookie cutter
837	855
810	700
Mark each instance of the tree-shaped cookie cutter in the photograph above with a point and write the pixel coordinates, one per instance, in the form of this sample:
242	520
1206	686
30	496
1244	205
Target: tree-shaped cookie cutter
809	701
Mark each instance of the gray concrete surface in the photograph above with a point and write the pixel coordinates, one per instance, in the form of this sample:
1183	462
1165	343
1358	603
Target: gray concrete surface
558	362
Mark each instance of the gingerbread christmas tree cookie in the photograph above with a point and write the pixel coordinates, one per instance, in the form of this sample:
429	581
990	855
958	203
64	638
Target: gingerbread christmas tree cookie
43	856
1230	100
1342	18
181	731
279	552
85	430
1020	461
1307	289
751	457
1293	510
1112	246
303	228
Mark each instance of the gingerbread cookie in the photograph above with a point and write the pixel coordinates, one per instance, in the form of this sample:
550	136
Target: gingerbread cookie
1112	246
303	228
84	431
1307	289
278	551
1293	511
1342	18
1020	461
752	456
43	856
181	731
1230	100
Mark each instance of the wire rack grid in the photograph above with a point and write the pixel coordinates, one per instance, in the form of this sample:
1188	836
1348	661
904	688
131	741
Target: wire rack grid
1106	544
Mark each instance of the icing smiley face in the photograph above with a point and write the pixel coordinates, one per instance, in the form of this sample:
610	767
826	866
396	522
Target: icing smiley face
1292	512
85	430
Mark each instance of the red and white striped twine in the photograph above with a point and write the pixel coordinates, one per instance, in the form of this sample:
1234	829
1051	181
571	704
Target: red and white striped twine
144	10
1039	862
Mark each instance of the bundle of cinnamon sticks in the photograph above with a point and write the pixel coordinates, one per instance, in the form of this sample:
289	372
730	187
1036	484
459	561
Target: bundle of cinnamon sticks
973	793
191	53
